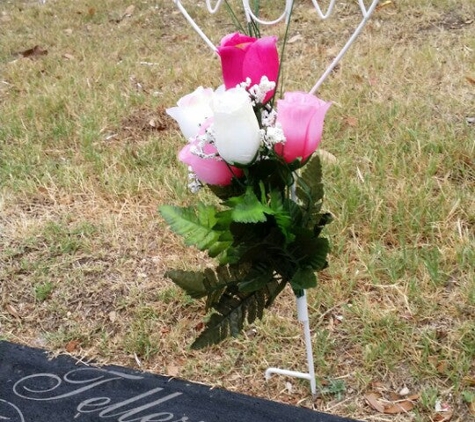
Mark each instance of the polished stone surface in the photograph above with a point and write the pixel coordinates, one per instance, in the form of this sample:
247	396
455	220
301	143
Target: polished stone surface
34	388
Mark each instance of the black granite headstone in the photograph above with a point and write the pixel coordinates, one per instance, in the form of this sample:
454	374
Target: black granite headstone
36	389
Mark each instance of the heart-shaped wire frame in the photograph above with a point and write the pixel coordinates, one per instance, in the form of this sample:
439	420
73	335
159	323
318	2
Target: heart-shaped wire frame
366	12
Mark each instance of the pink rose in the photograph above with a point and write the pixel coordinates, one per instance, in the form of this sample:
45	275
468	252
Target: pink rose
212	171
301	116
247	57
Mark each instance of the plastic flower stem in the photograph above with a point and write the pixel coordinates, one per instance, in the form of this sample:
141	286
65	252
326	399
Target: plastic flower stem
302	313
253	28
286	35
234	175
250	15
234	18
212	9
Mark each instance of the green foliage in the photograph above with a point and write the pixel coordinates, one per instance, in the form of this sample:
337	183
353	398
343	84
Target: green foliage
236	294
310	189
265	236
468	396
304	278
196	226
43	291
247	208
193	283
233	310
231	307
336	388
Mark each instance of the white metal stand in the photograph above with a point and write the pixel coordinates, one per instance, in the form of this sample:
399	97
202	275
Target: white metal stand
366	12
302	313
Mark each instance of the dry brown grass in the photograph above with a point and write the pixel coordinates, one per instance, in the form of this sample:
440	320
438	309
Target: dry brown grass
87	156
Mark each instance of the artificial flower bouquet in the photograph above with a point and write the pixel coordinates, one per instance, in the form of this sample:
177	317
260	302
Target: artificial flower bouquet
255	153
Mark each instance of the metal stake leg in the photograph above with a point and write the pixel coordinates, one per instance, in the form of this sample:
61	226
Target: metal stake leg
302	313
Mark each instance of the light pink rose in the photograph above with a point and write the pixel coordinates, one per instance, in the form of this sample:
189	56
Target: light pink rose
212	171
301	116
245	57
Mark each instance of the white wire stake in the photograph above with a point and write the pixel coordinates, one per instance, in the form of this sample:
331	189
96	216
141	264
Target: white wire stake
195	26
366	15
302	313
365	11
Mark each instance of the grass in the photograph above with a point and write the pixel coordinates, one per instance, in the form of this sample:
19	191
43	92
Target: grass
87	154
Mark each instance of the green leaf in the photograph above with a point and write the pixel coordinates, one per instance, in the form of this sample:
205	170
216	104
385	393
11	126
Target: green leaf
282	215
226	192
192	282
224	220
312	176
323	220
247	208
234	309
295	212
216	283
317	257
262	242
310	188
199	284
196	225
310	250
259	275
304	278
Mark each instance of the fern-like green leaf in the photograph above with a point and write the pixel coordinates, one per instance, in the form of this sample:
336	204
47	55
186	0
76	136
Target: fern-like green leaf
322	221
311	251
317	258
209	284
304	278
310	188
192	282
233	310
282	215
311	179
257	278
196	225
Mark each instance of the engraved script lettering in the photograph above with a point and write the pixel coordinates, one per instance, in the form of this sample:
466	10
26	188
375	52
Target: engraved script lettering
51	387
105	412
9	412
51	382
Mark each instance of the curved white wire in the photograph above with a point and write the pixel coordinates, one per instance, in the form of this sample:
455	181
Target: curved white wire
194	25
366	15
362	7
319	10
366	12
216	6
251	16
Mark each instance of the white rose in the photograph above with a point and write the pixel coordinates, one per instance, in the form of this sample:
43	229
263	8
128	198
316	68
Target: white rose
193	109
235	126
